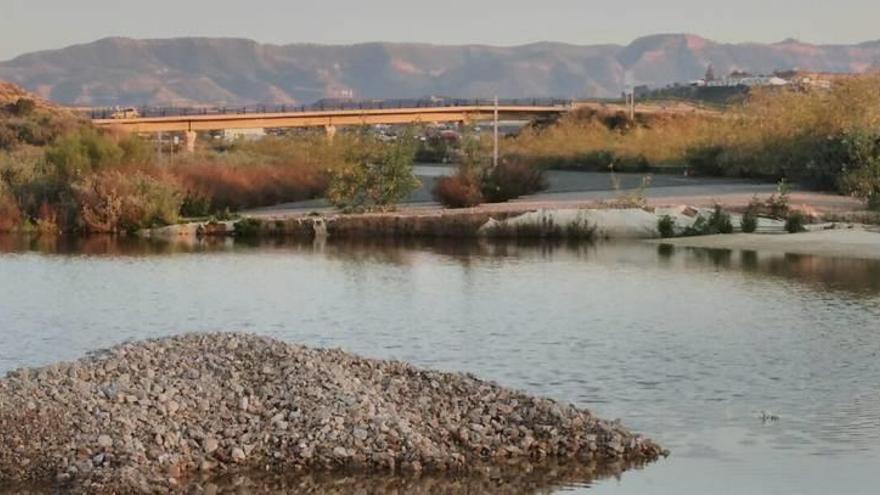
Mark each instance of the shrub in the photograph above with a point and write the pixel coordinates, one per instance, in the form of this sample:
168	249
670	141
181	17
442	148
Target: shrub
247	227
705	160
862	180
78	154
796	222
195	204
865	185
778	203
718	222
380	175
666	226
11	217
749	221
510	180
22	107
457	191
8	137
114	201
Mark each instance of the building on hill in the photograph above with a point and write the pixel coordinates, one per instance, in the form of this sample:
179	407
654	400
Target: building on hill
747	81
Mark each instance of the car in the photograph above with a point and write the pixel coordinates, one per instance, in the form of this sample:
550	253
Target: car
125	113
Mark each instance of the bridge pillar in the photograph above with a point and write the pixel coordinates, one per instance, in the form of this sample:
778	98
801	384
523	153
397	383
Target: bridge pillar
189	138
330	129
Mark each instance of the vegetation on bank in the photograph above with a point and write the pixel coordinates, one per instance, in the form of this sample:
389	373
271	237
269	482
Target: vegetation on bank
823	139
73	177
60	173
478	180
776	207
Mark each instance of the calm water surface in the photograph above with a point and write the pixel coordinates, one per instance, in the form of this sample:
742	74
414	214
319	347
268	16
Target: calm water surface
687	346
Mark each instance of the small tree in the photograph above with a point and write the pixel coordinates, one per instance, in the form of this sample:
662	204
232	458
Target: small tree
862	174
379	175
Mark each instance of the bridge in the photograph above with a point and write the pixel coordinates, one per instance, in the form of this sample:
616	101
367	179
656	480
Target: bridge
189	121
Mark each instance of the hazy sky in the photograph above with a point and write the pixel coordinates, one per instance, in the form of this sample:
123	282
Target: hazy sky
29	25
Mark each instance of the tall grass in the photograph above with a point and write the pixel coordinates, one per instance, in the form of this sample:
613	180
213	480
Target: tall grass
824	139
261	173
589	140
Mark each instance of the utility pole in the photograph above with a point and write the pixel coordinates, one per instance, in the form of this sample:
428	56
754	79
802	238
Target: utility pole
495	151
159	147
632	104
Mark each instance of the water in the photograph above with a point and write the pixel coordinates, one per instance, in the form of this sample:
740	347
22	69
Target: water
687	346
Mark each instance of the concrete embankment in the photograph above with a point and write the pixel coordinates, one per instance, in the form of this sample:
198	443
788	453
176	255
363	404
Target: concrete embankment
157	415
852	240
633	223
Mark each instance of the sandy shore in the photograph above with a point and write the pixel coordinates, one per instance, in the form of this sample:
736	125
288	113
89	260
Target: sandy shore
843	243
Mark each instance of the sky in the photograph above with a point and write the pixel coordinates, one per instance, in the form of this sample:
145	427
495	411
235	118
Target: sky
31	25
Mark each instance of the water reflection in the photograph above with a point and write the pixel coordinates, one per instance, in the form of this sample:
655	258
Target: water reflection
513	479
850	274
502	480
823	273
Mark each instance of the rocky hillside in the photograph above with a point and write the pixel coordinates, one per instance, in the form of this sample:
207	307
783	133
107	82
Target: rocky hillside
29	120
121	71
10	94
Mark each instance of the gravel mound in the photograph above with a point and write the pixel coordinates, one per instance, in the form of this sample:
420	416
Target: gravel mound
155	415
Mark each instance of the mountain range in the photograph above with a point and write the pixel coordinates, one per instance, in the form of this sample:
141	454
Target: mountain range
232	71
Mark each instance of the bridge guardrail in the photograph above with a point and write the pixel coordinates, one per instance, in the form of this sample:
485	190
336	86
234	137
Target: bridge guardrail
147	111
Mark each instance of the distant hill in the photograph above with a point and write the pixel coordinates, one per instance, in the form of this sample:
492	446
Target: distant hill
185	71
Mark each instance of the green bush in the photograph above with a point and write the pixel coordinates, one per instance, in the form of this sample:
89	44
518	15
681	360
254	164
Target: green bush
749	221
380	175
796	222
666	226
84	152
862	174
718	222
195	204
247	227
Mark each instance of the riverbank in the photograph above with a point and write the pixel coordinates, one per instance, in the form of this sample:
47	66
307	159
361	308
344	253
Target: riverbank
157	413
857	242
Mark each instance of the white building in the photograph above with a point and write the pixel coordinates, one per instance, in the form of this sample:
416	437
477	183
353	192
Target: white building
247	134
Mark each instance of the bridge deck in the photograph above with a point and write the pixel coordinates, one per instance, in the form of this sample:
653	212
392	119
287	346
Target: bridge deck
325	118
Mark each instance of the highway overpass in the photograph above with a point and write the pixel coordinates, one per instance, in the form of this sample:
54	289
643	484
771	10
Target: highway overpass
191	121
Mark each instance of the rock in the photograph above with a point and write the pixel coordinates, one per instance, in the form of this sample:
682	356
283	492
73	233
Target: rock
104	441
237	455
211	445
360	434
161	410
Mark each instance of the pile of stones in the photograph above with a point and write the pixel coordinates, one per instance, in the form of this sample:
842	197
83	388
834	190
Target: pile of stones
153	416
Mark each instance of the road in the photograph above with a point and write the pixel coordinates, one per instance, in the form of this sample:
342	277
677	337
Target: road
580	189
